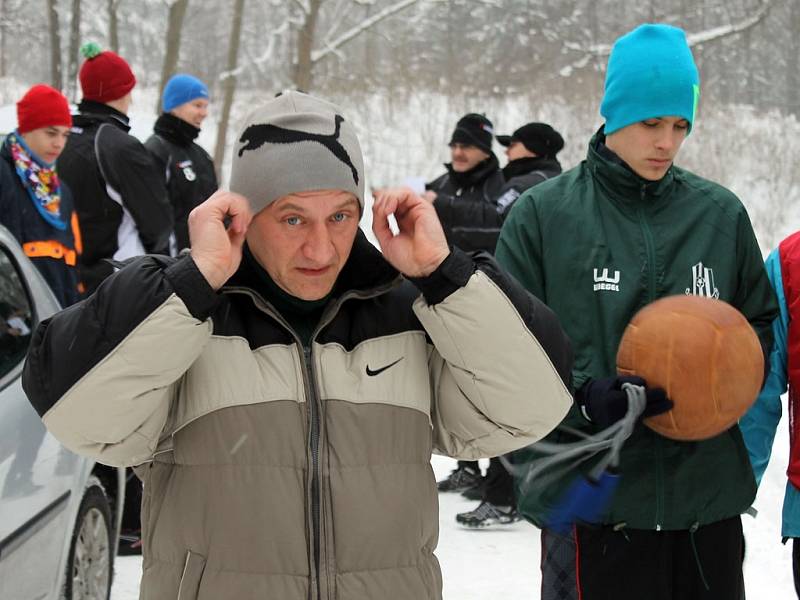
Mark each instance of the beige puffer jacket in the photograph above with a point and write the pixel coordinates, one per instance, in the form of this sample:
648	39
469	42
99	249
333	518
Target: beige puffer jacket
275	473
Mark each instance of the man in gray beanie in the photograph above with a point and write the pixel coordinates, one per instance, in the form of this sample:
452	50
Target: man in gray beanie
280	388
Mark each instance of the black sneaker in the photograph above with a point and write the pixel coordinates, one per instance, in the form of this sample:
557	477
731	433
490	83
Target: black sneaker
459	480
488	515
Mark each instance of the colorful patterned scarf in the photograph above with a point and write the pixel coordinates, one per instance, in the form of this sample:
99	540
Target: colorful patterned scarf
39	179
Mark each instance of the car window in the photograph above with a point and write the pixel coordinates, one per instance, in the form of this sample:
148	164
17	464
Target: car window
16	319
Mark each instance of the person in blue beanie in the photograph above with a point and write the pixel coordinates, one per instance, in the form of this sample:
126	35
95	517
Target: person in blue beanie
190	179
596	244
188	169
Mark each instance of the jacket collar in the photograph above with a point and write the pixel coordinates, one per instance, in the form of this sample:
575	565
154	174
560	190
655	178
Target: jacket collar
366	273
619	180
90	112
529	164
476	175
175	130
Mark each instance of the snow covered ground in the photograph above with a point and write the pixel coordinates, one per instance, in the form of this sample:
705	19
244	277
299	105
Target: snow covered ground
491	564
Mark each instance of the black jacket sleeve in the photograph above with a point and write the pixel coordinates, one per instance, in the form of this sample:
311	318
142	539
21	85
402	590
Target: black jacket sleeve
94	328
469	225
132	172
160	154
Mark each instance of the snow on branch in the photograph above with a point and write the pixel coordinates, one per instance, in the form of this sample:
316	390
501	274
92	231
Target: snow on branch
694	39
725	30
348	35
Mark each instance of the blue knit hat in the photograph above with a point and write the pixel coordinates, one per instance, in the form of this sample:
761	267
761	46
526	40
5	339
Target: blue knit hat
180	89
651	73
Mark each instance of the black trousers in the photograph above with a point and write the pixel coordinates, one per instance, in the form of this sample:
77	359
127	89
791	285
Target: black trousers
796	564
499	489
472	464
131	511
622	564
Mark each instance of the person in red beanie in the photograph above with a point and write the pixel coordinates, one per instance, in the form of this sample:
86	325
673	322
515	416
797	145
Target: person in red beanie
120	196
121	199
35	205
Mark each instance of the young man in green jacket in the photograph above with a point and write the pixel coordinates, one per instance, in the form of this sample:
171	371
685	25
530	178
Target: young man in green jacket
598	243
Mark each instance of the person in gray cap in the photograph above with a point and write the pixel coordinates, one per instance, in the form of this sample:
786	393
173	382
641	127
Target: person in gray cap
280	388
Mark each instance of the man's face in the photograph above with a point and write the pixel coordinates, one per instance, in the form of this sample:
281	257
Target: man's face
193	112
517	149
304	239
650	146
464	157
47	142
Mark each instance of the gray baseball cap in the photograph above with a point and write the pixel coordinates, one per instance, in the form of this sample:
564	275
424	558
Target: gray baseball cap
296	143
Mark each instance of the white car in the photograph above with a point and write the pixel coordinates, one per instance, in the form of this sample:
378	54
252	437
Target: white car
60	513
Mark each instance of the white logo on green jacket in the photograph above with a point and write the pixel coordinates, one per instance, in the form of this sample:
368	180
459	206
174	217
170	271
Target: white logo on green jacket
602	281
702	282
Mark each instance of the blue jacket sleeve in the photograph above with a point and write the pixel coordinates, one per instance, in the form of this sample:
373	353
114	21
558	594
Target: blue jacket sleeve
760	423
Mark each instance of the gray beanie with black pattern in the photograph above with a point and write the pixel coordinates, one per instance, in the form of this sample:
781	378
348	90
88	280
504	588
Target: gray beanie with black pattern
296	143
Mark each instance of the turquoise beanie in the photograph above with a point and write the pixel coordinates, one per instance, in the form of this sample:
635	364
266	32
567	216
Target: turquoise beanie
651	73
180	89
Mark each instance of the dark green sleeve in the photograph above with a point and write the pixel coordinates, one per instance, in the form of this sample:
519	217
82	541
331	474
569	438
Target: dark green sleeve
754	296
519	248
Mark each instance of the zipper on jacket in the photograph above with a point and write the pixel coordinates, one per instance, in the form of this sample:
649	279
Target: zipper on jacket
314	418
314	404
649	245
650	250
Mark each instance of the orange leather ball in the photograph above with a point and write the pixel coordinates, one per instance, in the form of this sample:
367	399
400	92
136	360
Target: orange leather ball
704	353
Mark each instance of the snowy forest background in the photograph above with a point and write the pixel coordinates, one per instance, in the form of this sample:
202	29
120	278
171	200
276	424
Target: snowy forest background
405	70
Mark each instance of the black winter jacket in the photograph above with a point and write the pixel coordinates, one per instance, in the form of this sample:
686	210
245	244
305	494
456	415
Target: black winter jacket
522	174
461	201
20	217
187	168
121	202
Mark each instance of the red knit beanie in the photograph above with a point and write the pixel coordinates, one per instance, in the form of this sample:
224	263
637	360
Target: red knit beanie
42	106
104	75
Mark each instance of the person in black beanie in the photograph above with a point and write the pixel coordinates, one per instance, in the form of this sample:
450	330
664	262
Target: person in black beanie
461	198
187	168
472	181
531	152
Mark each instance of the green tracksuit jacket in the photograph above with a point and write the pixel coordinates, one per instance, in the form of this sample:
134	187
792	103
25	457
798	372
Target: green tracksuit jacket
597	244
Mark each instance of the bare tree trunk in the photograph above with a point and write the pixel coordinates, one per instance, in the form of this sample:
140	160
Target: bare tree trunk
55	44
74	49
3	33
177	10
370	53
113	25
229	86
303	71
792	65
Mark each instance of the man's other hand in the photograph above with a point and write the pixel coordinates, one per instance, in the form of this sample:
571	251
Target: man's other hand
217	250
419	246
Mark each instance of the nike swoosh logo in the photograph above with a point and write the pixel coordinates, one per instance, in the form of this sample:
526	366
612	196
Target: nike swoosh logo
372	373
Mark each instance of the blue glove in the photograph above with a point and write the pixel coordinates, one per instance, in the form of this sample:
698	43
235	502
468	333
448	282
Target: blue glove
585	501
604	402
